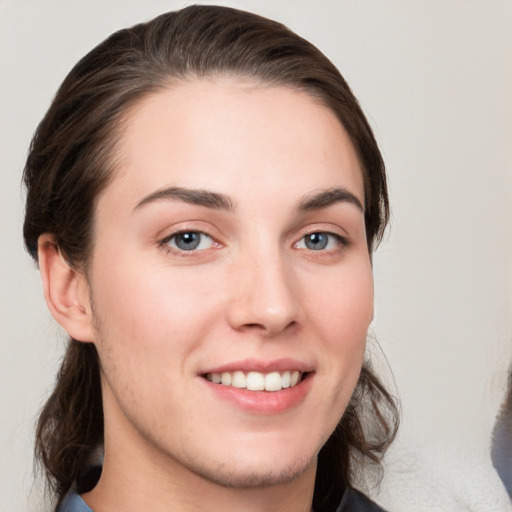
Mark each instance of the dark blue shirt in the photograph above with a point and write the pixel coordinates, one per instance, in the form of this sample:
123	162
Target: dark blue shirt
352	501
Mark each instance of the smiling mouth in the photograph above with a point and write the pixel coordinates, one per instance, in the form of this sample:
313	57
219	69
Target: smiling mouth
257	381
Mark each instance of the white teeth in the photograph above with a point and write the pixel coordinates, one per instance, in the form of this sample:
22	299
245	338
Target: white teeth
238	380
226	379
273	381
256	381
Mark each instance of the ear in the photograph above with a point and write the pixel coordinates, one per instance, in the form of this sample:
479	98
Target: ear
66	291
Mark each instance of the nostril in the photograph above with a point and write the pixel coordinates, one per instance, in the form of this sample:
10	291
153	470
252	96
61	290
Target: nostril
270	328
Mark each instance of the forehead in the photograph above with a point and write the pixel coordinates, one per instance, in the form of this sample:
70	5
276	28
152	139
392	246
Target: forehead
236	133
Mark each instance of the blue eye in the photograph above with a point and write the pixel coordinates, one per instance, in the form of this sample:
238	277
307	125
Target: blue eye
319	241
316	241
190	241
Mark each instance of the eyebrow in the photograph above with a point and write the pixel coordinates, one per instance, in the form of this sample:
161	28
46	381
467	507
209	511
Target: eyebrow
328	197
217	201
187	195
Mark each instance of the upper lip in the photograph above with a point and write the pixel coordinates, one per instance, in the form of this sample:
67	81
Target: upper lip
257	365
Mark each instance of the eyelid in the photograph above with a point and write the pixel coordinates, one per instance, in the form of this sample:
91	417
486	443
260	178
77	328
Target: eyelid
329	228
165	233
170	236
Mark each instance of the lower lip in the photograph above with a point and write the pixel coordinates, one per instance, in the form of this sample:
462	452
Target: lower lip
263	402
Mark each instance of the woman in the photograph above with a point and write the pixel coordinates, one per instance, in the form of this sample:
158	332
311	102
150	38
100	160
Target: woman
204	196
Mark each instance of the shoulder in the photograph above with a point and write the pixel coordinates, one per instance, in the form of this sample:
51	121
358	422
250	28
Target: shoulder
73	503
355	501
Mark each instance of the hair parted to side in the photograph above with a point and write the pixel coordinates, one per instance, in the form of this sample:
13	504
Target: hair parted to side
72	158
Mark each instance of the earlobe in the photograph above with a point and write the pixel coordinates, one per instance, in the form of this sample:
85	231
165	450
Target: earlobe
66	291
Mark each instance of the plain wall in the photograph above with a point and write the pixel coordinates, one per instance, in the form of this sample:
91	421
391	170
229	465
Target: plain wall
435	80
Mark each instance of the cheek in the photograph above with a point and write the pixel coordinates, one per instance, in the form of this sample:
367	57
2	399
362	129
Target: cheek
146	312
345	305
343	315
146	325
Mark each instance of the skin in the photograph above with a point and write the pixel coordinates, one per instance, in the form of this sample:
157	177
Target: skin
253	293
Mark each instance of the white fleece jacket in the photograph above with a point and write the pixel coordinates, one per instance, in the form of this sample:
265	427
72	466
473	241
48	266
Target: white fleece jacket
416	481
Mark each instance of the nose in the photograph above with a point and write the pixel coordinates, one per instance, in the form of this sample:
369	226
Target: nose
264	296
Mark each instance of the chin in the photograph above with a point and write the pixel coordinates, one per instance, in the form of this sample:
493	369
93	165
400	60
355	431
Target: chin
246	476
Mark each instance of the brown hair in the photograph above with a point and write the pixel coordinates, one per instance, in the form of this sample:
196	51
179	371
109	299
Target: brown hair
72	158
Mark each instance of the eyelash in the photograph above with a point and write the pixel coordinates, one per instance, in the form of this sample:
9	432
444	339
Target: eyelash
340	240
177	251
165	243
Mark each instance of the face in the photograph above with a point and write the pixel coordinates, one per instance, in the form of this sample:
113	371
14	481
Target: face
230	281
